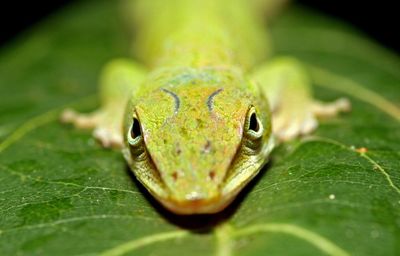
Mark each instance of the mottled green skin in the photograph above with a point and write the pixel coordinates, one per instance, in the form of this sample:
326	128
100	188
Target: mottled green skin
197	123
199	33
195	158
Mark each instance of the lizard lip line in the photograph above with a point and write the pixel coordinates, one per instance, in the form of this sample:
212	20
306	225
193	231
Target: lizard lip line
195	203
203	205
196	206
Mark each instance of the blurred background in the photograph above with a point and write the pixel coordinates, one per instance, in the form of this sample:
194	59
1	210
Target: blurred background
378	19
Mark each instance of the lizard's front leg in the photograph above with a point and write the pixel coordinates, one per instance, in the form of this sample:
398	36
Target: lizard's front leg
286	84
119	79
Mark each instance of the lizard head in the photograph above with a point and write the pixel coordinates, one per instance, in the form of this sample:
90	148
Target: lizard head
196	145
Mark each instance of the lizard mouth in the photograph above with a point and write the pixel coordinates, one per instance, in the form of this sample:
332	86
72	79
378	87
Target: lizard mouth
208	205
197	206
228	192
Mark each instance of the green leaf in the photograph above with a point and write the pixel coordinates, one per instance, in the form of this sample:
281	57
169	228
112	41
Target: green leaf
336	192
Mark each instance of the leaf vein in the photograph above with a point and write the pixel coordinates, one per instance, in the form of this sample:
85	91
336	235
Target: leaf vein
140	242
70	220
313	238
361	154
38	121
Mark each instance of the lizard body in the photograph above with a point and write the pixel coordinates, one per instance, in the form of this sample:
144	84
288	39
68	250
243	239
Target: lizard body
196	123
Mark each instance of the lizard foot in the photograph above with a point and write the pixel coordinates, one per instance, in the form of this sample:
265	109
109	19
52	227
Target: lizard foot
301	120
107	132
322	109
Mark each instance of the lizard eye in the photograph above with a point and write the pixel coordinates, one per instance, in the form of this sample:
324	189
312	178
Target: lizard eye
135	133
253	125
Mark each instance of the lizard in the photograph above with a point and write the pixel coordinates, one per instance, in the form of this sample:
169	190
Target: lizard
200	109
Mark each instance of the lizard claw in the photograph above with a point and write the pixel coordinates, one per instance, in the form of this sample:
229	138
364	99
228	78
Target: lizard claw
295	121
108	138
105	130
322	109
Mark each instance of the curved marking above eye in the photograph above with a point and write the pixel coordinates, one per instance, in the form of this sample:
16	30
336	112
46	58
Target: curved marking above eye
210	100
176	98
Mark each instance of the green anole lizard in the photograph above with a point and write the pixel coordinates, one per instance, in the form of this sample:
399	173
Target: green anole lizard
197	119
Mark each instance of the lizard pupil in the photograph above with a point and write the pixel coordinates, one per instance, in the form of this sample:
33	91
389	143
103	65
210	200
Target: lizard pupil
254	125
135	130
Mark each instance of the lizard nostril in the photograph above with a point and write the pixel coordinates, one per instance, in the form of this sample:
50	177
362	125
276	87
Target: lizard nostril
174	175
211	174
207	147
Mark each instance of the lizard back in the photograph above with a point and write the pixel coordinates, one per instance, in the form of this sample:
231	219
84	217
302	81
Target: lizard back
198	33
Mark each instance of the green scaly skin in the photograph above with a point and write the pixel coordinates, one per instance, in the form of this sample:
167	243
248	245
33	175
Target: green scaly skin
197	125
197	150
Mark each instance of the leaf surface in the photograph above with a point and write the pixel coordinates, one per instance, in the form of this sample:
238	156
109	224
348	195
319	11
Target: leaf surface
336	192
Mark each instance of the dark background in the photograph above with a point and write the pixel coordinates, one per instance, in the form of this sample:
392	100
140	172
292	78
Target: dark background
377	19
